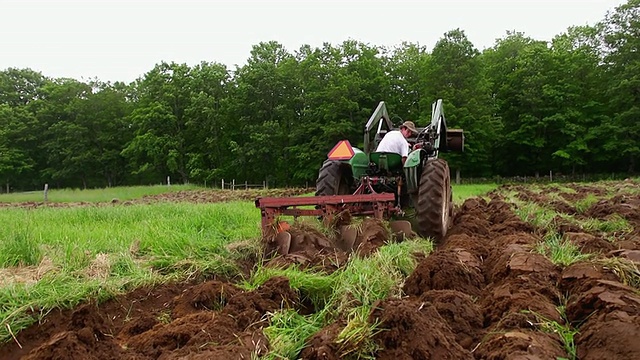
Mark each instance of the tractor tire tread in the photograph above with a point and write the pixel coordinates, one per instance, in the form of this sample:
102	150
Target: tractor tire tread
329	176
434	189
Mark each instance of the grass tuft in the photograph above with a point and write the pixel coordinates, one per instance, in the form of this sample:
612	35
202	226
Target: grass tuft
19	249
615	224
626	270
560	250
535	215
288	331
316	287
356	339
564	331
585	204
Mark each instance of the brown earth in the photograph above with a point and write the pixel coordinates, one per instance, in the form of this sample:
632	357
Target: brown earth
484	293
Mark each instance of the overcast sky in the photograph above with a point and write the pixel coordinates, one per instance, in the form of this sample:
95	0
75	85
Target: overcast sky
120	40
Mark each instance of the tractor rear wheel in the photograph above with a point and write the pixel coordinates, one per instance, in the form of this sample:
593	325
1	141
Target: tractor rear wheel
433	208
333	179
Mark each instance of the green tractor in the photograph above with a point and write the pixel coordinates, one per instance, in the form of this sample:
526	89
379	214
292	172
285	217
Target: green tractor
421	186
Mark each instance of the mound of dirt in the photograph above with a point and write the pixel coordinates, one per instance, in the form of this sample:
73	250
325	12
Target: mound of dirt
322	345
446	270
212	320
523	344
461	312
588	243
595	338
414	330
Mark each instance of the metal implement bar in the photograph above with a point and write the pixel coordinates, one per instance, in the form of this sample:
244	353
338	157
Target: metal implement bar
381	206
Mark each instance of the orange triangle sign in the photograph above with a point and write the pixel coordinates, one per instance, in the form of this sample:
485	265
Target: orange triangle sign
342	151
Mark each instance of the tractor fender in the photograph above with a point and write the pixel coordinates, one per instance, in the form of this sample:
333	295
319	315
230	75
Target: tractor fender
413	169
414	158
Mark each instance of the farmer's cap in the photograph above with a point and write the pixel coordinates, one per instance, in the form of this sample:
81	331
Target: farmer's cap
409	125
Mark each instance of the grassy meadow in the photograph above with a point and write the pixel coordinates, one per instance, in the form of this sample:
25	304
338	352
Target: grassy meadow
93	195
59	257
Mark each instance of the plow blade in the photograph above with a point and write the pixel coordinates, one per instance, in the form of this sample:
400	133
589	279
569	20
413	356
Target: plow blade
348	240
283	242
381	206
401	229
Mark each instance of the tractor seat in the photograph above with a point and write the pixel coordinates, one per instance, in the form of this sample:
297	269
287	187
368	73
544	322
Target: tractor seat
390	162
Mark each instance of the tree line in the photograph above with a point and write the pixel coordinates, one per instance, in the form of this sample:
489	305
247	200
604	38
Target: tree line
571	105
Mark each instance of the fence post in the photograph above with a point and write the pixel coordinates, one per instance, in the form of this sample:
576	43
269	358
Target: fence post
168	181
46	192
550	175
264	185
246	186
233	184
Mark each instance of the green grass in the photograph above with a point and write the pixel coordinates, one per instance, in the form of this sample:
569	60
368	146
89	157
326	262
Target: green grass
614	225
317	287
464	191
566	189
564	331
98	249
164	233
94	195
23	304
584	204
559	250
534	214
19	248
288	332
356	338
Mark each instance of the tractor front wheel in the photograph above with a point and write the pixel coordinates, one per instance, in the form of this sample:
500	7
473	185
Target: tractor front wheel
433	208
333	179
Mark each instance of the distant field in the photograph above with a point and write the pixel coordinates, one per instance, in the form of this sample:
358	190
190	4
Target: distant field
465	191
460	192
94	195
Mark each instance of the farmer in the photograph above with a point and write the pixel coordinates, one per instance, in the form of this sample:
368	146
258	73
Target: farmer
396	141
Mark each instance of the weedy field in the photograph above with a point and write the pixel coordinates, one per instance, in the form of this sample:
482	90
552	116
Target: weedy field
548	271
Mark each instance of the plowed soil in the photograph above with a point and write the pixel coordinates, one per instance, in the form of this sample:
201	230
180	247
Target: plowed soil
484	293
192	196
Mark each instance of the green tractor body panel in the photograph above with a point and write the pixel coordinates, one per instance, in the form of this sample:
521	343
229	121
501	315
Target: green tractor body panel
359	163
414	159
390	162
413	170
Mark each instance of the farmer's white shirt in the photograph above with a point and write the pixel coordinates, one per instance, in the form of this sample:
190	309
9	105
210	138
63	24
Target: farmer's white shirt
394	142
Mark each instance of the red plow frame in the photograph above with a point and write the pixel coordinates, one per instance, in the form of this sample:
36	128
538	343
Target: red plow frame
380	205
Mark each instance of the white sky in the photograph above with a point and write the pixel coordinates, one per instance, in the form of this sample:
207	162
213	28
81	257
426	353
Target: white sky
120	40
